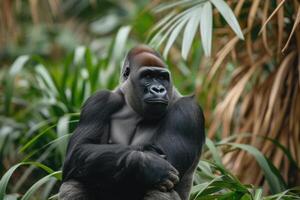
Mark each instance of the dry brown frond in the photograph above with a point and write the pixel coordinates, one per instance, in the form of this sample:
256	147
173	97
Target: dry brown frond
297	21
263	93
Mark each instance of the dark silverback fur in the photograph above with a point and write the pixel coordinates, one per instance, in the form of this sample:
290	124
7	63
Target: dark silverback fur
142	141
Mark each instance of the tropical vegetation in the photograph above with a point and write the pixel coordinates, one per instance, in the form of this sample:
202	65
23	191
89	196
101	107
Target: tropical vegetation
239	58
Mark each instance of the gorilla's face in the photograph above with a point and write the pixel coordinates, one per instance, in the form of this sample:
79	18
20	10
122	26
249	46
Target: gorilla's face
150	91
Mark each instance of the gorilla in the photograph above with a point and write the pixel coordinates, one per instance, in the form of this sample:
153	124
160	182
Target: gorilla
141	141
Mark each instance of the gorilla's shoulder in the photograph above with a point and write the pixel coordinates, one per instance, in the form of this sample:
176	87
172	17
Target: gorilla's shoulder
188	104
186	110
103	100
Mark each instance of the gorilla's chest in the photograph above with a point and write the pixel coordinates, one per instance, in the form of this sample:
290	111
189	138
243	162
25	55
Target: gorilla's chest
127	128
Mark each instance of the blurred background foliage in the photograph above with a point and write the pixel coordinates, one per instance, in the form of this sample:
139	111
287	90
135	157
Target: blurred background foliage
239	57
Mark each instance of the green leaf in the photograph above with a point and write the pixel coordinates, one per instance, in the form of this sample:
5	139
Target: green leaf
168	27
206	28
214	151
79	55
5	178
119	44
258	194
16	67
64	78
199	189
38	184
47	78
274	183
166	6
173	36
62	130
162	22
35	138
229	16
117	54
190	31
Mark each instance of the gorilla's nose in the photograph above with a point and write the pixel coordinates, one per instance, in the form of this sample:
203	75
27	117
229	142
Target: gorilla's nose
158	90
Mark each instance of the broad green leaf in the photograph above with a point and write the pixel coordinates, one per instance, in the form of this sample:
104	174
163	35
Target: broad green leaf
206	28
229	16
190	31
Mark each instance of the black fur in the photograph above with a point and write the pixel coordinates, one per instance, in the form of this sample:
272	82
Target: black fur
95	168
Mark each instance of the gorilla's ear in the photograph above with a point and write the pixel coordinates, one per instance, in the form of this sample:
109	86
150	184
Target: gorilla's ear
126	73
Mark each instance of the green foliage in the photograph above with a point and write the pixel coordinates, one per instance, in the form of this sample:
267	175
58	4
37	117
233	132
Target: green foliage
41	102
52	107
59	96
213	181
192	15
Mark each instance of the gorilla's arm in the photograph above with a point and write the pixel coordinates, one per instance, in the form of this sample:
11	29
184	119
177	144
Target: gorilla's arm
89	161
184	187
84	151
185	130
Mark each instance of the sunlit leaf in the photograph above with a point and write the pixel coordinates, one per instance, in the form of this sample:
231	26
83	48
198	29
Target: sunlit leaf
228	15
206	28
190	31
16	67
173	37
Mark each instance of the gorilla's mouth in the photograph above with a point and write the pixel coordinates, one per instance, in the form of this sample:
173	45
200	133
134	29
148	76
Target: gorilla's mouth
156	101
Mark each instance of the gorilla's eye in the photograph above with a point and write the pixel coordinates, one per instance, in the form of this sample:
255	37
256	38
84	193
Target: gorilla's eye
147	76
162	77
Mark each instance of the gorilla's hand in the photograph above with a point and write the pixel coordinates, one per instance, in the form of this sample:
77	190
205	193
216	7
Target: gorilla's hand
153	170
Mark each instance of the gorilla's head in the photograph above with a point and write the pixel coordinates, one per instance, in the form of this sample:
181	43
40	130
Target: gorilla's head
146	82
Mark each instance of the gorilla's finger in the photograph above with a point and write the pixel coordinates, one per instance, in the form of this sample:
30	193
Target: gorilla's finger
175	171
168	184
162	188
174	178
